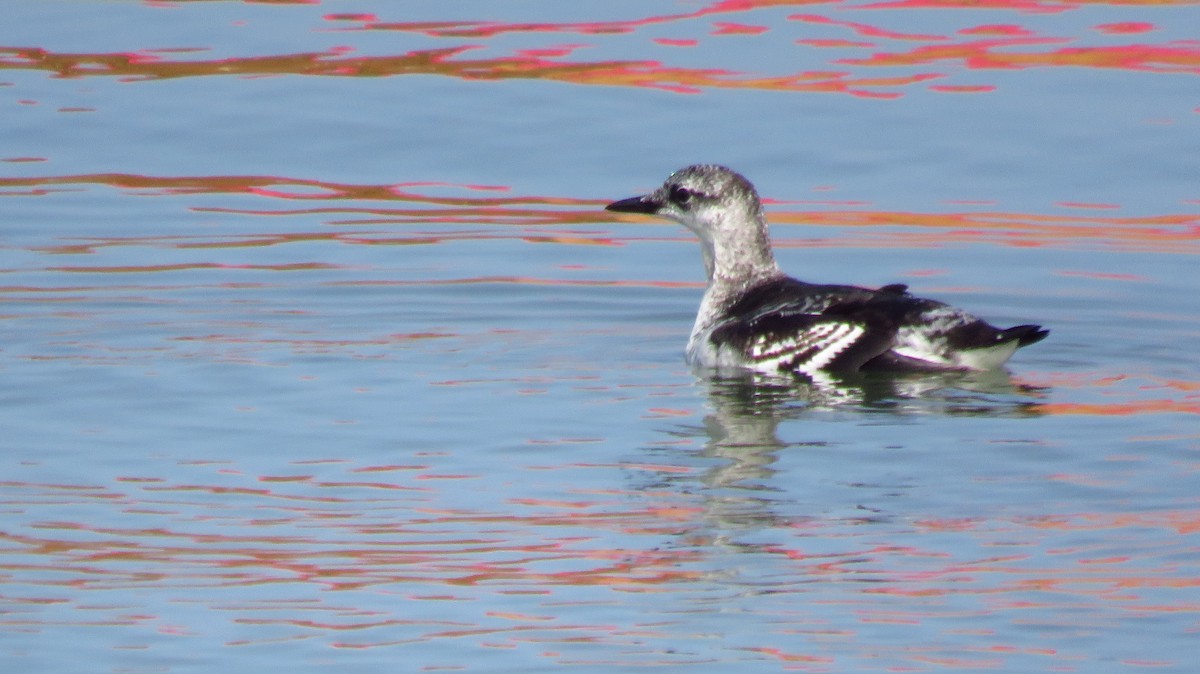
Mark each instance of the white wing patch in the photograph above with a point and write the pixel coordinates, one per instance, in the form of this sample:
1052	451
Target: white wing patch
926	342
988	357
807	351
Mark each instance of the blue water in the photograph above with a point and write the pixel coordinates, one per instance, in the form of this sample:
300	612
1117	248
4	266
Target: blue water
319	351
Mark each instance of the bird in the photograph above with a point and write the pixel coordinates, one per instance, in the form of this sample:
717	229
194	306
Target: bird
755	317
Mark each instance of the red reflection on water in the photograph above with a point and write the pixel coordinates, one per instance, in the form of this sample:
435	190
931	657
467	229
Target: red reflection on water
1030	6
561	63
417	208
283	188
1176	233
1122	409
1126	27
962	88
784	656
724	28
998	29
1168	233
154	536
985	54
548	62
832	43
1122	395
487	29
366	18
865	29
973	54
126	269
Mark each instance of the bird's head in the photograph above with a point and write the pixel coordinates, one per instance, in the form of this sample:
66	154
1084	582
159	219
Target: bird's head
712	201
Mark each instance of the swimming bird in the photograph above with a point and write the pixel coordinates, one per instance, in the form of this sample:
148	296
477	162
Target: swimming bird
753	316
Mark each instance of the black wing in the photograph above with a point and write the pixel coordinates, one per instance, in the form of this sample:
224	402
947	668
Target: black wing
787	324
839	339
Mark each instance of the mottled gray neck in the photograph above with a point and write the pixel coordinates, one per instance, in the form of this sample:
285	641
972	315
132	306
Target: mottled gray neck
737	251
737	257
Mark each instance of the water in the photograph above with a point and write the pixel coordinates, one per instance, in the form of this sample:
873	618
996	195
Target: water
319	352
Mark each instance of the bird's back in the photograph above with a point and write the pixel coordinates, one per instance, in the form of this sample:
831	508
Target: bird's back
787	324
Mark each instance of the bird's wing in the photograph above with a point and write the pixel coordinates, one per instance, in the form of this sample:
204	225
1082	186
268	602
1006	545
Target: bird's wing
783	341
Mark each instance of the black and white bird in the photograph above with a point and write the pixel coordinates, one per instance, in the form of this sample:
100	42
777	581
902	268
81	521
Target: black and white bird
753	316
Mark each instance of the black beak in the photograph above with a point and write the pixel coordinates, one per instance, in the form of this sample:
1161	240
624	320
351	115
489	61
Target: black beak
635	205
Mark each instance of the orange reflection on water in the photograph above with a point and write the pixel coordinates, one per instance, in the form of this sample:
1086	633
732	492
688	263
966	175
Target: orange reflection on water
1005	46
865	30
488	29
1175	233
1120	394
277	187
314	555
1165	233
358	549
985	54
1125	408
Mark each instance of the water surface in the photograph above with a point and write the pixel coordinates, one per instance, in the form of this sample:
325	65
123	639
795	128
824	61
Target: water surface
320	352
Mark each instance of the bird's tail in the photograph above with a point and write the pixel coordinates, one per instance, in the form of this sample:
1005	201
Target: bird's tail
1024	334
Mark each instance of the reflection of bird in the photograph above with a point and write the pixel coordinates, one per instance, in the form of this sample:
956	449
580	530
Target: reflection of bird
754	316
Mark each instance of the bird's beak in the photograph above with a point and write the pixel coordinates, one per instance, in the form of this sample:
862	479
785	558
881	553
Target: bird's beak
646	204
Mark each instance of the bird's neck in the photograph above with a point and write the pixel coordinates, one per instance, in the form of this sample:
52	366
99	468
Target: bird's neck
734	265
736	258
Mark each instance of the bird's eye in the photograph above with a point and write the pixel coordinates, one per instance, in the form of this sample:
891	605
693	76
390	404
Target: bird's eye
680	196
